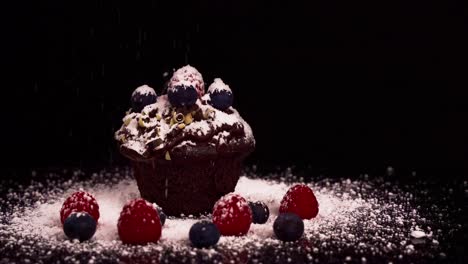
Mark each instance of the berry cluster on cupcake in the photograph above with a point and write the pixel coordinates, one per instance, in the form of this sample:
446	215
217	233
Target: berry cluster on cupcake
186	146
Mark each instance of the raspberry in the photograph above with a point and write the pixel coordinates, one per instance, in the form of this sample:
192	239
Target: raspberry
80	202
300	200
139	223
188	76
232	215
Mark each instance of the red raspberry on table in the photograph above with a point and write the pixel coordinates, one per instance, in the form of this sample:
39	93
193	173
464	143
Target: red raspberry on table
300	200
232	215
80	202
139	223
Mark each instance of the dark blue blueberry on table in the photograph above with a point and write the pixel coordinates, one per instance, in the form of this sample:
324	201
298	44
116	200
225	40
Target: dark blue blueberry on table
141	97
260	212
204	234
181	95
288	227
162	215
79	225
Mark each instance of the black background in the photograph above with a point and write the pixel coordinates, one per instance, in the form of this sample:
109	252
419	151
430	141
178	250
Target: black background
346	88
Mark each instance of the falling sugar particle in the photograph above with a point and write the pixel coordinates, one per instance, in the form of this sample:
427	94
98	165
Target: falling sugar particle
166	186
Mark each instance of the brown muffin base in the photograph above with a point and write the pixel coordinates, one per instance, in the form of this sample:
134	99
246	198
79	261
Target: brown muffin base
187	186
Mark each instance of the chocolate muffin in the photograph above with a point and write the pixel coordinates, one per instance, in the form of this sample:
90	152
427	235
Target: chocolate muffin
186	146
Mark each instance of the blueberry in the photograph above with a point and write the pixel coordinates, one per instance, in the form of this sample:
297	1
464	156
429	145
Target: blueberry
162	215
288	227
204	234
79	225
181	95
221	100
220	94
141	97
260	212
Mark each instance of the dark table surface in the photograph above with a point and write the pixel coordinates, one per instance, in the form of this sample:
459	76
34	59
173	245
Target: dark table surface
380	234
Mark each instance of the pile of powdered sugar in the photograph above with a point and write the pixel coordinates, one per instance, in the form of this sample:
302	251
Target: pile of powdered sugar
356	216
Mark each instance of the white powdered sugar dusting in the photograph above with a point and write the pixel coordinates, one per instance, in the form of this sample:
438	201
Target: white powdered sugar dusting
156	124
188	76
218	85
144	90
138	141
352	214
418	234
265	191
177	229
111	199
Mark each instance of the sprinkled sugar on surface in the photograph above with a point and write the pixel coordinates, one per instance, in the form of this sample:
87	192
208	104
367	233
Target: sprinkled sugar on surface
359	221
